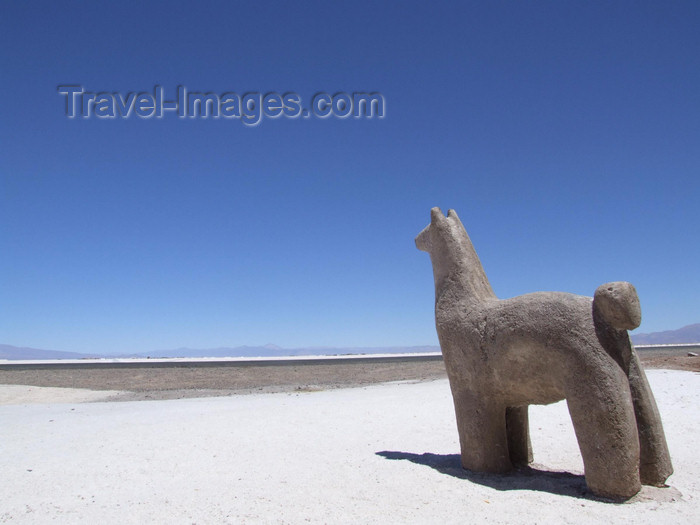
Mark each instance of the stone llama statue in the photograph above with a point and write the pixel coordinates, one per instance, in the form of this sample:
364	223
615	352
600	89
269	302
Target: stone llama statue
539	348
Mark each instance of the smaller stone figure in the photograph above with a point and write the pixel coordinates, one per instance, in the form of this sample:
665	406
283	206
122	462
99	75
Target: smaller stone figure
539	348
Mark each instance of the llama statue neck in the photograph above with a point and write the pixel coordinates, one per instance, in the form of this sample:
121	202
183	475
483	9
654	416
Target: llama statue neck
459	275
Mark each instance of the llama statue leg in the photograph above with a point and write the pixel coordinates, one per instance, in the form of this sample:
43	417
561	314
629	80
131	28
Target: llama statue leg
603	417
482	433
654	459
517	427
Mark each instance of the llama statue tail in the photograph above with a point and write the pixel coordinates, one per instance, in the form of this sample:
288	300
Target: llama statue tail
618	305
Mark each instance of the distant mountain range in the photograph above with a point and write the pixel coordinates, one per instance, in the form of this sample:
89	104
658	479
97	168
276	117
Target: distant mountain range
17	352
22	353
687	334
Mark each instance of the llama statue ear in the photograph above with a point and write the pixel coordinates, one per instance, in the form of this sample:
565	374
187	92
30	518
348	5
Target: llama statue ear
451	214
436	215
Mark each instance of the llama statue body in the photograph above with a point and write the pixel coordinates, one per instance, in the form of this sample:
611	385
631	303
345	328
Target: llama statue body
539	348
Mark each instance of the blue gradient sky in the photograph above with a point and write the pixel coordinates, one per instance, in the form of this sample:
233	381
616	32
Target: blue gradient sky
565	134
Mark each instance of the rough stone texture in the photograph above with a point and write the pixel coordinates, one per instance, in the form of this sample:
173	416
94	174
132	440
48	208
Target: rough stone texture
619	304
539	348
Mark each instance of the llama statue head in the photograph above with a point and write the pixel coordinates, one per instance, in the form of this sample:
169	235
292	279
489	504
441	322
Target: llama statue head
453	256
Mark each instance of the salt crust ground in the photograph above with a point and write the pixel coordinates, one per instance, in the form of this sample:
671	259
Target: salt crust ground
379	454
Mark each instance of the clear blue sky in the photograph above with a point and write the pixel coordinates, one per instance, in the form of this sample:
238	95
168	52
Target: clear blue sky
565	134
